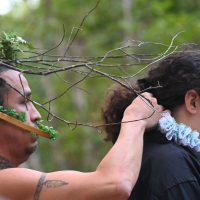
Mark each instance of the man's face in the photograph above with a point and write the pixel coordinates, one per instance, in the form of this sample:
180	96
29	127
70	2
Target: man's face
18	140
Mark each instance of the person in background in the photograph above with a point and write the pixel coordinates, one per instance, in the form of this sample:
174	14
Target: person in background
169	171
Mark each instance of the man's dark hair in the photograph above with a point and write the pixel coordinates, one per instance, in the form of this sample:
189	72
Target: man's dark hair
177	74
3	87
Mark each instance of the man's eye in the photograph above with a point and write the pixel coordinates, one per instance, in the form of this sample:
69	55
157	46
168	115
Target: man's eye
24	102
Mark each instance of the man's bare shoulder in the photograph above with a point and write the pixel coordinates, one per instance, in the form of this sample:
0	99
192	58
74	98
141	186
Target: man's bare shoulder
15	173
17	183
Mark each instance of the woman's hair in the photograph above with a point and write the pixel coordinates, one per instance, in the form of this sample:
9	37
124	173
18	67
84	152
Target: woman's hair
118	98
176	73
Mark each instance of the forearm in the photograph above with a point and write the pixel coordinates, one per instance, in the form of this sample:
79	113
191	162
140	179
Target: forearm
124	159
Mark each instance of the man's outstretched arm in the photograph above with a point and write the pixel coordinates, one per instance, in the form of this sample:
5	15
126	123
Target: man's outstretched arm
114	178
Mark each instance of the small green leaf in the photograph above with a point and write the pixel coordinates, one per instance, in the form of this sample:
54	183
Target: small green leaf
11	34
53	134
43	62
9	111
19	66
16	47
30	46
6	37
22	116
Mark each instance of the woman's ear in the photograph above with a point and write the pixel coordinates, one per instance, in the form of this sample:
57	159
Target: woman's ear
192	101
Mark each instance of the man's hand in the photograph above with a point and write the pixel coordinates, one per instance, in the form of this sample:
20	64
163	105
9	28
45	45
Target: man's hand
141	108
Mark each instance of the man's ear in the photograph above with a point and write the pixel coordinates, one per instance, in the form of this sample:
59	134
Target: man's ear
192	101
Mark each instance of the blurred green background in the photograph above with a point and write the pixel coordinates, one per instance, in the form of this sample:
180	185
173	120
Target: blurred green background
40	22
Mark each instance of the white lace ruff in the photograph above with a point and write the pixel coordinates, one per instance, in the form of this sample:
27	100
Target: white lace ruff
180	133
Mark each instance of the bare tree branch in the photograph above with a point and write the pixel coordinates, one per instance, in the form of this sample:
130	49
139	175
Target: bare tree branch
44	64
67	89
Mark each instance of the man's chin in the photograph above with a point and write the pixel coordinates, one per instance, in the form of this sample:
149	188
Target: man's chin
32	149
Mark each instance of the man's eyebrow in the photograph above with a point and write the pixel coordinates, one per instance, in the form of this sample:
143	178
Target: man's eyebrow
26	94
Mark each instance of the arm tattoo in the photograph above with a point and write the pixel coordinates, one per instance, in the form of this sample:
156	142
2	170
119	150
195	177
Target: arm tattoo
54	183
5	163
39	187
48	184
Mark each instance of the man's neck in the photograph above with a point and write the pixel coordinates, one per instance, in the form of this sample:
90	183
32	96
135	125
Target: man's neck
182	115
5	163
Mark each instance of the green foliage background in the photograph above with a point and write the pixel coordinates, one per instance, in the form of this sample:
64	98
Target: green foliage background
104	29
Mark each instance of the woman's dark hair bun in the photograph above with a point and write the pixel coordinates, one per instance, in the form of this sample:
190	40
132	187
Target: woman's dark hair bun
142	83
117	99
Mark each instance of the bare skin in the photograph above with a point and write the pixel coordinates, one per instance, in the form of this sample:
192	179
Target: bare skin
114	178
189	112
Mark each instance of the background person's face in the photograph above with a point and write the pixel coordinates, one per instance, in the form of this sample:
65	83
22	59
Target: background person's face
19	140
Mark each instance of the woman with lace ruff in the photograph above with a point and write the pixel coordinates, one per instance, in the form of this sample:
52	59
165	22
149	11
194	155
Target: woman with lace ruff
170	167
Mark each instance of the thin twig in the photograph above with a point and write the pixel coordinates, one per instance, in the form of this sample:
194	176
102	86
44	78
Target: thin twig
71	84
79	28
67	89
23	90
41	54
124	122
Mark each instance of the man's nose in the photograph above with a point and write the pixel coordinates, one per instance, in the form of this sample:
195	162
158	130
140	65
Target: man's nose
35	115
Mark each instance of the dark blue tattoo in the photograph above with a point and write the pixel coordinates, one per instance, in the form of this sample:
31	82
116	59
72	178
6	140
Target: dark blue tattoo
48	184
5	163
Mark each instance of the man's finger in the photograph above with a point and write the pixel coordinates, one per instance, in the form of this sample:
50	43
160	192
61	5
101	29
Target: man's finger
147	94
